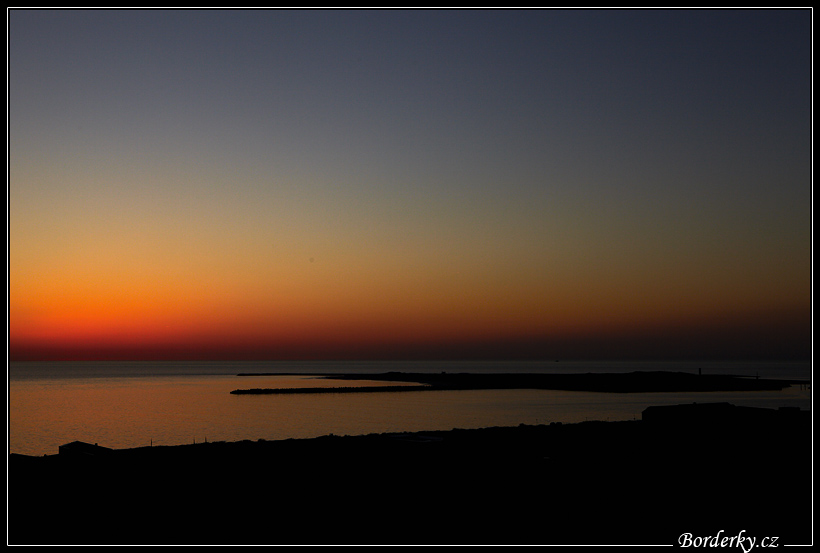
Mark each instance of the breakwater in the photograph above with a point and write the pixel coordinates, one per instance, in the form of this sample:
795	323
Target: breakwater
638	381
332	390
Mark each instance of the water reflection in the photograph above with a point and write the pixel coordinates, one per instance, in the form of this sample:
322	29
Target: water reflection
171	410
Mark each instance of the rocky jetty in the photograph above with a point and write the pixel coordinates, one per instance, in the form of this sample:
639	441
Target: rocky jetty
638	381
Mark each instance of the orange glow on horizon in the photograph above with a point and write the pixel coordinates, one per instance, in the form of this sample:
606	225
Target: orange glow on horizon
113	334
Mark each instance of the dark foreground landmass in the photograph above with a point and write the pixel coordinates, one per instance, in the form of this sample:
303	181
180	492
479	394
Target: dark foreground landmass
697	469
638	381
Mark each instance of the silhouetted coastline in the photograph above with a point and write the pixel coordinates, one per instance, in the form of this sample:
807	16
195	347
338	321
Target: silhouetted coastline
692	468
638	381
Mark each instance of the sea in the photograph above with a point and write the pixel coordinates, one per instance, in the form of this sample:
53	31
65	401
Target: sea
136	404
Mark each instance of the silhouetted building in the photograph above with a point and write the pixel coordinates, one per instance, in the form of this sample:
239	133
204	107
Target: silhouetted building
83	449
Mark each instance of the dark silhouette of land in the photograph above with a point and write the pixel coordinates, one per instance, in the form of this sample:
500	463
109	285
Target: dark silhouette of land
638	381
695	469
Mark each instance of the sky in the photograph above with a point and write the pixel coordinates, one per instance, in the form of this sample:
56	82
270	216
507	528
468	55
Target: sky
409	184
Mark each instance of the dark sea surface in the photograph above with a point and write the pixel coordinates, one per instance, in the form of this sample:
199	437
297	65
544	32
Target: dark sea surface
134	404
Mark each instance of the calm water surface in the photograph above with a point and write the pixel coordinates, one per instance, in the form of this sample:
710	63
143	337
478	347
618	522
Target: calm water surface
122	405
